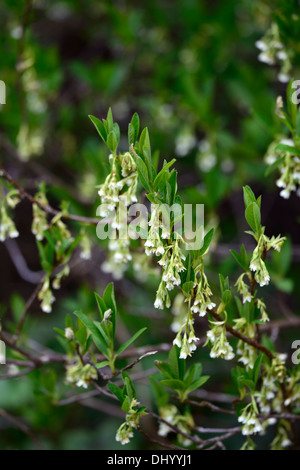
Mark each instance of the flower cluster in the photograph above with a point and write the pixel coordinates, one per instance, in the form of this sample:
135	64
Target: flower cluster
117	192
125	431
202	301
80	375
249	419
247	353
257	264
293	389
172	264
243	288
39	220
184	422
289	168
270	397
45	296
157	233
188	342
282	440
216	337
122	180
273	52
7	225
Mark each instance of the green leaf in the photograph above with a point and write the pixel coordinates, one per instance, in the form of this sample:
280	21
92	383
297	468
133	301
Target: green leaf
143	173
130	341
240	259
206	242
116	391
60	332
133	129
104	334
110	120
164	367
187	287
102	364
256	368
177	365
43	258
226	296
81	335
97	338
110	302
112	142
174	384
163	175
253	217
197	383
101	305
100	127
129	386
116	129
249	196
193	373
288	148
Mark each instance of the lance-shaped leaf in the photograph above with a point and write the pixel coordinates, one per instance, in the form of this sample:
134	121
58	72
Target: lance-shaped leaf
130	341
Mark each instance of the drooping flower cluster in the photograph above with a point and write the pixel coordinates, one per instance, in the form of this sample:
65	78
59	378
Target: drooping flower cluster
184	422
270	397
45	296
157	233
172	265
188	342
282	440
247	353
202	301
257	264
273	52
249	419
288	162
39	221
132	419
85	246
7	225
80	375
243	288
118	192
293	389
122	180
216	337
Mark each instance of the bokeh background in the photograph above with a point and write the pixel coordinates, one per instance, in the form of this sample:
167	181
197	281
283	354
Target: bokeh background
190	69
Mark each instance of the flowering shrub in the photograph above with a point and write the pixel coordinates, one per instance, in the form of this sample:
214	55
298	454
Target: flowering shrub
263	381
